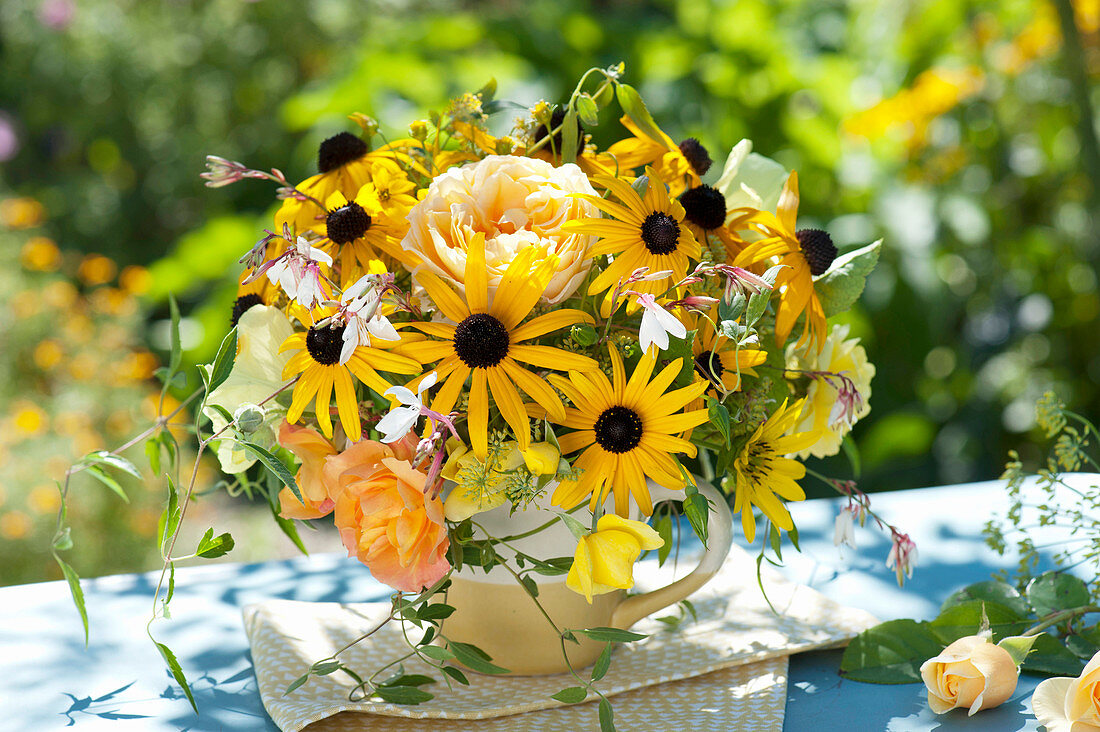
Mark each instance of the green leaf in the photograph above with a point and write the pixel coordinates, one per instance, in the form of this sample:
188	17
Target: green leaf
776	540
298	682
576	528
588	111
456	674
171	586
631	102
287	527
696	508
1001	593
177	672
1084	644
680	348
101	475
211	546
843	283
529	585
569	136
571	695
663	526
409	695
223	362
276	466
890	653
77	592
1018	646
757	304
1054	591
607	717
436	611
584	334
408	680
474	658
1048	656
105	458
966	618
612	635
603	663
437	653
719	416
170	517
152	452
324	668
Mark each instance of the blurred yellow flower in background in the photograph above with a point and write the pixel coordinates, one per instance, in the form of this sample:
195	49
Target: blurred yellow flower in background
28	419
47	354
14	525
135	280
40	254
44	498
21	213
96	269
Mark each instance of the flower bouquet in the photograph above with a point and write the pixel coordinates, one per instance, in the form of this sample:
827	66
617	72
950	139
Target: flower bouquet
512	357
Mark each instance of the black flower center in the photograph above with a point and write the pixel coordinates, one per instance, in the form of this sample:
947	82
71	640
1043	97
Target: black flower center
696	154
709	365
242	306
704	206
818	248
481	341
339	150
555	121
618	429
660	233
325	344
347	223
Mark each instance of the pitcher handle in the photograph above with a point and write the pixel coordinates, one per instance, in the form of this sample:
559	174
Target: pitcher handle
719	540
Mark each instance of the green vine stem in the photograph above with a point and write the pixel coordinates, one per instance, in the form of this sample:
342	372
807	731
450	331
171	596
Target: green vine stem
1060	617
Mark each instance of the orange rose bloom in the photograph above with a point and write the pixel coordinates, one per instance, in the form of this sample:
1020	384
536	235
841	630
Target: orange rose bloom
312	449
384	517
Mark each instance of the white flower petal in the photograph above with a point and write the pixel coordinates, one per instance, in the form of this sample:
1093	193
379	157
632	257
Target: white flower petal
428	382
380	327
397	423
404	395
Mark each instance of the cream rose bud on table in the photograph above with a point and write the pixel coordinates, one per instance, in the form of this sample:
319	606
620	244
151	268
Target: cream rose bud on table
524	322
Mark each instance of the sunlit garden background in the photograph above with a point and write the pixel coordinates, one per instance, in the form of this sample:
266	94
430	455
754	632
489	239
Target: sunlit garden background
961	132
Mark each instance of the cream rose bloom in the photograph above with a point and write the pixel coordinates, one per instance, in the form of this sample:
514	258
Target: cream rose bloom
971	673
515	202
831	409
1063	704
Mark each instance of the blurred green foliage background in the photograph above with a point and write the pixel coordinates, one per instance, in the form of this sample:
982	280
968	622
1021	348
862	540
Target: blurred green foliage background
962	131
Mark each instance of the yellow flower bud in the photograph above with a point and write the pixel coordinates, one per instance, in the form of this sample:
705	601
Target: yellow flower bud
541	458
604	560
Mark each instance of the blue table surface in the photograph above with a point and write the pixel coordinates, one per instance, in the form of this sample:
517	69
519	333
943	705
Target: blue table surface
48	680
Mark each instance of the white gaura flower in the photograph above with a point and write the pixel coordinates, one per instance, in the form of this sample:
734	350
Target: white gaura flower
751	180
399	420
839	392
298	273
362	305
845	531
657	324
256	375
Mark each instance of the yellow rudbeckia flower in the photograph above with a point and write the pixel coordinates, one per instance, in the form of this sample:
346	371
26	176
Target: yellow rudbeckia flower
604	561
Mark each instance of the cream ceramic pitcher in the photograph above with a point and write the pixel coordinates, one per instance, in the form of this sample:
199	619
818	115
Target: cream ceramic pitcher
493	612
